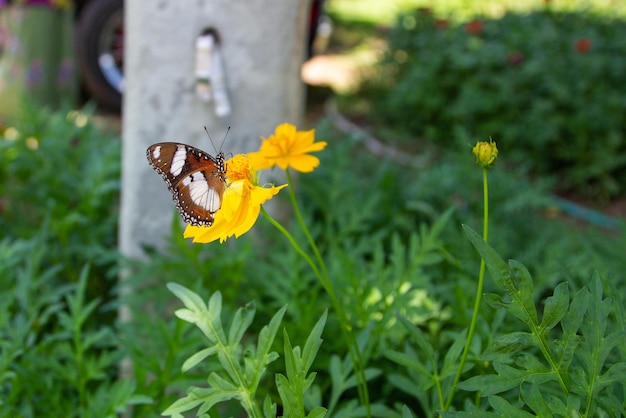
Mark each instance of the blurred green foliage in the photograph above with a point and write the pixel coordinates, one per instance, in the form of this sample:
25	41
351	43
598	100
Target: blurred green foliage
390	235
547	86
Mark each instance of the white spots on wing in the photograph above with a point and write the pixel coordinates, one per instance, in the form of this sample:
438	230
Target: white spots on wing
201	194
178	161
156	153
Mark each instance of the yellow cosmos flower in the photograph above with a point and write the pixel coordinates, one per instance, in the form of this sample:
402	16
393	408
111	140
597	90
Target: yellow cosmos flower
288	148
241	204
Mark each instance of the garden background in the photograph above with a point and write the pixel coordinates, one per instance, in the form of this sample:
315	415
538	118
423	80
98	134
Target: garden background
391	208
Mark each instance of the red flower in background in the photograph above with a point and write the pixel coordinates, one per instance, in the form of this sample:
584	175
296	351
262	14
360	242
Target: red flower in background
441	23
475	27
583	45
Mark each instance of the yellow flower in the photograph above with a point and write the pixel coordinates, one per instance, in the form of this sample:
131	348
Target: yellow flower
485	153
241	204
288	148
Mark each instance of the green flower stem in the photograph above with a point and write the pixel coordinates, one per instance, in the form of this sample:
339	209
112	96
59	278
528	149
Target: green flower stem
324	278
292	241
355	353
479	292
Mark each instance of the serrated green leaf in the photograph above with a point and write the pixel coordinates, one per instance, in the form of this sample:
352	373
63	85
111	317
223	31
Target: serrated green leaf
555	406
609	343
182	405
573	402
186	315
198	357
291	365
593	329
507	345
317	412
313	343
555	308
293	386
502	407
610	405
241	321
571	323
408	361
615	374
190	299
496	301
531	395
212	396
216	381
308	381
214	308
513	278
268	334
282	384
578	307
520	288
530	362
507	378
496	265
269	407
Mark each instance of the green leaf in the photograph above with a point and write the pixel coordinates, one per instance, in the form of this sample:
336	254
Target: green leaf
520	288
508	344
241	321
191	300
317	412
418	336
531	395
313	343
507	378
496	265
555	308
409	361
593	354
293	386
291	358
182	405
615	374
454	352
505	409
198	357
269	407
571	323
406	412
268	334
513	278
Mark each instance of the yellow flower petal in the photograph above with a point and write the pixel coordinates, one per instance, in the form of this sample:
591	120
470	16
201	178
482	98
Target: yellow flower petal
241	205
288	148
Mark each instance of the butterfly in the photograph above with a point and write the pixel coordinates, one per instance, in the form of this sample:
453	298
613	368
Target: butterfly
196	179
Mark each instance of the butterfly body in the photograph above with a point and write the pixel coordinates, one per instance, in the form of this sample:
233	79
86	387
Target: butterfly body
196	179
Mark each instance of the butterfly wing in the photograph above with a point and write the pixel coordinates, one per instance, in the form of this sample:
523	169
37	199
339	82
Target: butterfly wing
195	179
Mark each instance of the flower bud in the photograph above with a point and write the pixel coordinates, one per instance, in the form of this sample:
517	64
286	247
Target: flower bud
485	153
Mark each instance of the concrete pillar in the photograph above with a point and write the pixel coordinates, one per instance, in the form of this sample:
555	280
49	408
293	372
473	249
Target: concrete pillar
263	45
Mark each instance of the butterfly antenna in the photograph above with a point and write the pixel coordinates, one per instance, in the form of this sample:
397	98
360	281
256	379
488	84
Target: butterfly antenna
211	139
